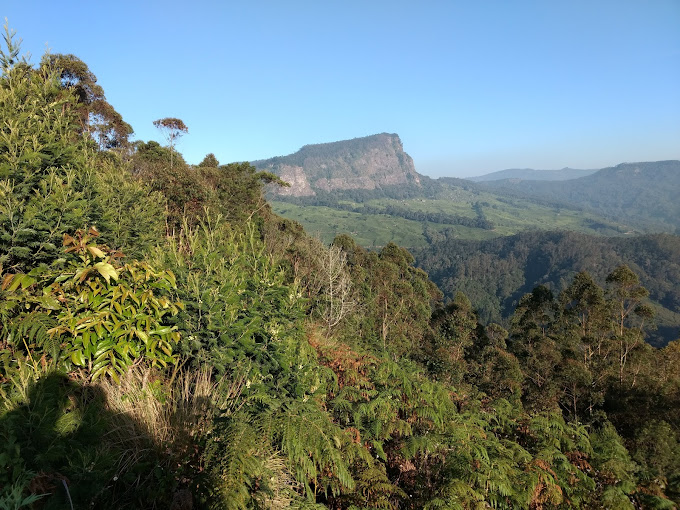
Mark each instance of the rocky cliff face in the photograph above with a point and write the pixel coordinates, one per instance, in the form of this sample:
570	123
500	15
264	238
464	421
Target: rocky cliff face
372	162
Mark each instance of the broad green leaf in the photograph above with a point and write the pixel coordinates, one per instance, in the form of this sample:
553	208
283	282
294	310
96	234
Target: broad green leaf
96	374
22	280
78	358
117	307
107	271
49	302
103	347
161	331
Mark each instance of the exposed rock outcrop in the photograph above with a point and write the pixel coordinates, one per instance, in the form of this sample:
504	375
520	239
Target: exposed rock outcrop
371	162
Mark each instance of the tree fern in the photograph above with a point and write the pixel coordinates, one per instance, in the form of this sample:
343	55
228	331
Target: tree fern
237	456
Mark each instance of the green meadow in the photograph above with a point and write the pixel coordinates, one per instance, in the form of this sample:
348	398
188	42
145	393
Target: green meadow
508	216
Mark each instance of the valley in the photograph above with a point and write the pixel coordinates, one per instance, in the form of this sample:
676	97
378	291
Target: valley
374	229
498	238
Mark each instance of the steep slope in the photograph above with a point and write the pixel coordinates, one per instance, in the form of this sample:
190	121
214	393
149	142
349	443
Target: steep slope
368	163
641	193
530	174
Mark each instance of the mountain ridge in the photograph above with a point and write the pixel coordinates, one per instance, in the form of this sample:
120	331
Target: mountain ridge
368	163
633	195
530	174
644	192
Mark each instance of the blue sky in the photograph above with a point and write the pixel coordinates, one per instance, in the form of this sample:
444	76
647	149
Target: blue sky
471	87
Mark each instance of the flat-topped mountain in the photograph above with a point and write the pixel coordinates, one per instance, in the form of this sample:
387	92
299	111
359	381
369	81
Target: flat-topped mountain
529	174
368	163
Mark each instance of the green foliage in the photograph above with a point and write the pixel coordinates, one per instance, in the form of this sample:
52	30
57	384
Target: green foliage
614	468
454	334
209	161
103	317
533	343
304	376
234	191
129	215
241	314
495	274
239	306
398	298
657	451
493	370
42	159
10	58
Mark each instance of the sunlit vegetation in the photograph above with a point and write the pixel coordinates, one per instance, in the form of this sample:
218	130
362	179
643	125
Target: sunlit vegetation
167	341
415	222
495	274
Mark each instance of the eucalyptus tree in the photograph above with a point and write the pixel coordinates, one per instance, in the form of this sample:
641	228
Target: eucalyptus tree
629	314
172	129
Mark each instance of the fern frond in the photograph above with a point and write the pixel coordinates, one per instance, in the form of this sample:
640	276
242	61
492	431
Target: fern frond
313	444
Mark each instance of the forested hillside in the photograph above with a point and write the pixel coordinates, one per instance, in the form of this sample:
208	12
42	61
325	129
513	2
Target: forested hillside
496	273
644	194
167	341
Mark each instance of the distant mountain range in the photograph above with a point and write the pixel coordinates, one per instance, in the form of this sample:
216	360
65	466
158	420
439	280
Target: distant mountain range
528	174
368	163
645	194
462	231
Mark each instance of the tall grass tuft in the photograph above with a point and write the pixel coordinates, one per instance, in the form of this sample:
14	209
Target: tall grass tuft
174	418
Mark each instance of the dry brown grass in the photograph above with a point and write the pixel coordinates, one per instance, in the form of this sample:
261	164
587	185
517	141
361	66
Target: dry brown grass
169	416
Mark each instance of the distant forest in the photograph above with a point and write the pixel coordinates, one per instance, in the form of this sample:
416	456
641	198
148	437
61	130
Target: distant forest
496	273
644	194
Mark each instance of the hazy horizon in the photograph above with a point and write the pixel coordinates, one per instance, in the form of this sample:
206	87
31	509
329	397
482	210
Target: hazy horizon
470	88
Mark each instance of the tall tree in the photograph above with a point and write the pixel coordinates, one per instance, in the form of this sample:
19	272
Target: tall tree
533	342
629	313
172	129
586	344
43	167
210	161
97	117
453	334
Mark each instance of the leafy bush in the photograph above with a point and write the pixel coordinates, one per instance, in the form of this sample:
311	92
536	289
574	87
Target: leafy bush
94	316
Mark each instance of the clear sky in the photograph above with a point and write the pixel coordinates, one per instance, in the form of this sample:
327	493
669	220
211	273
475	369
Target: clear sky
470	86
